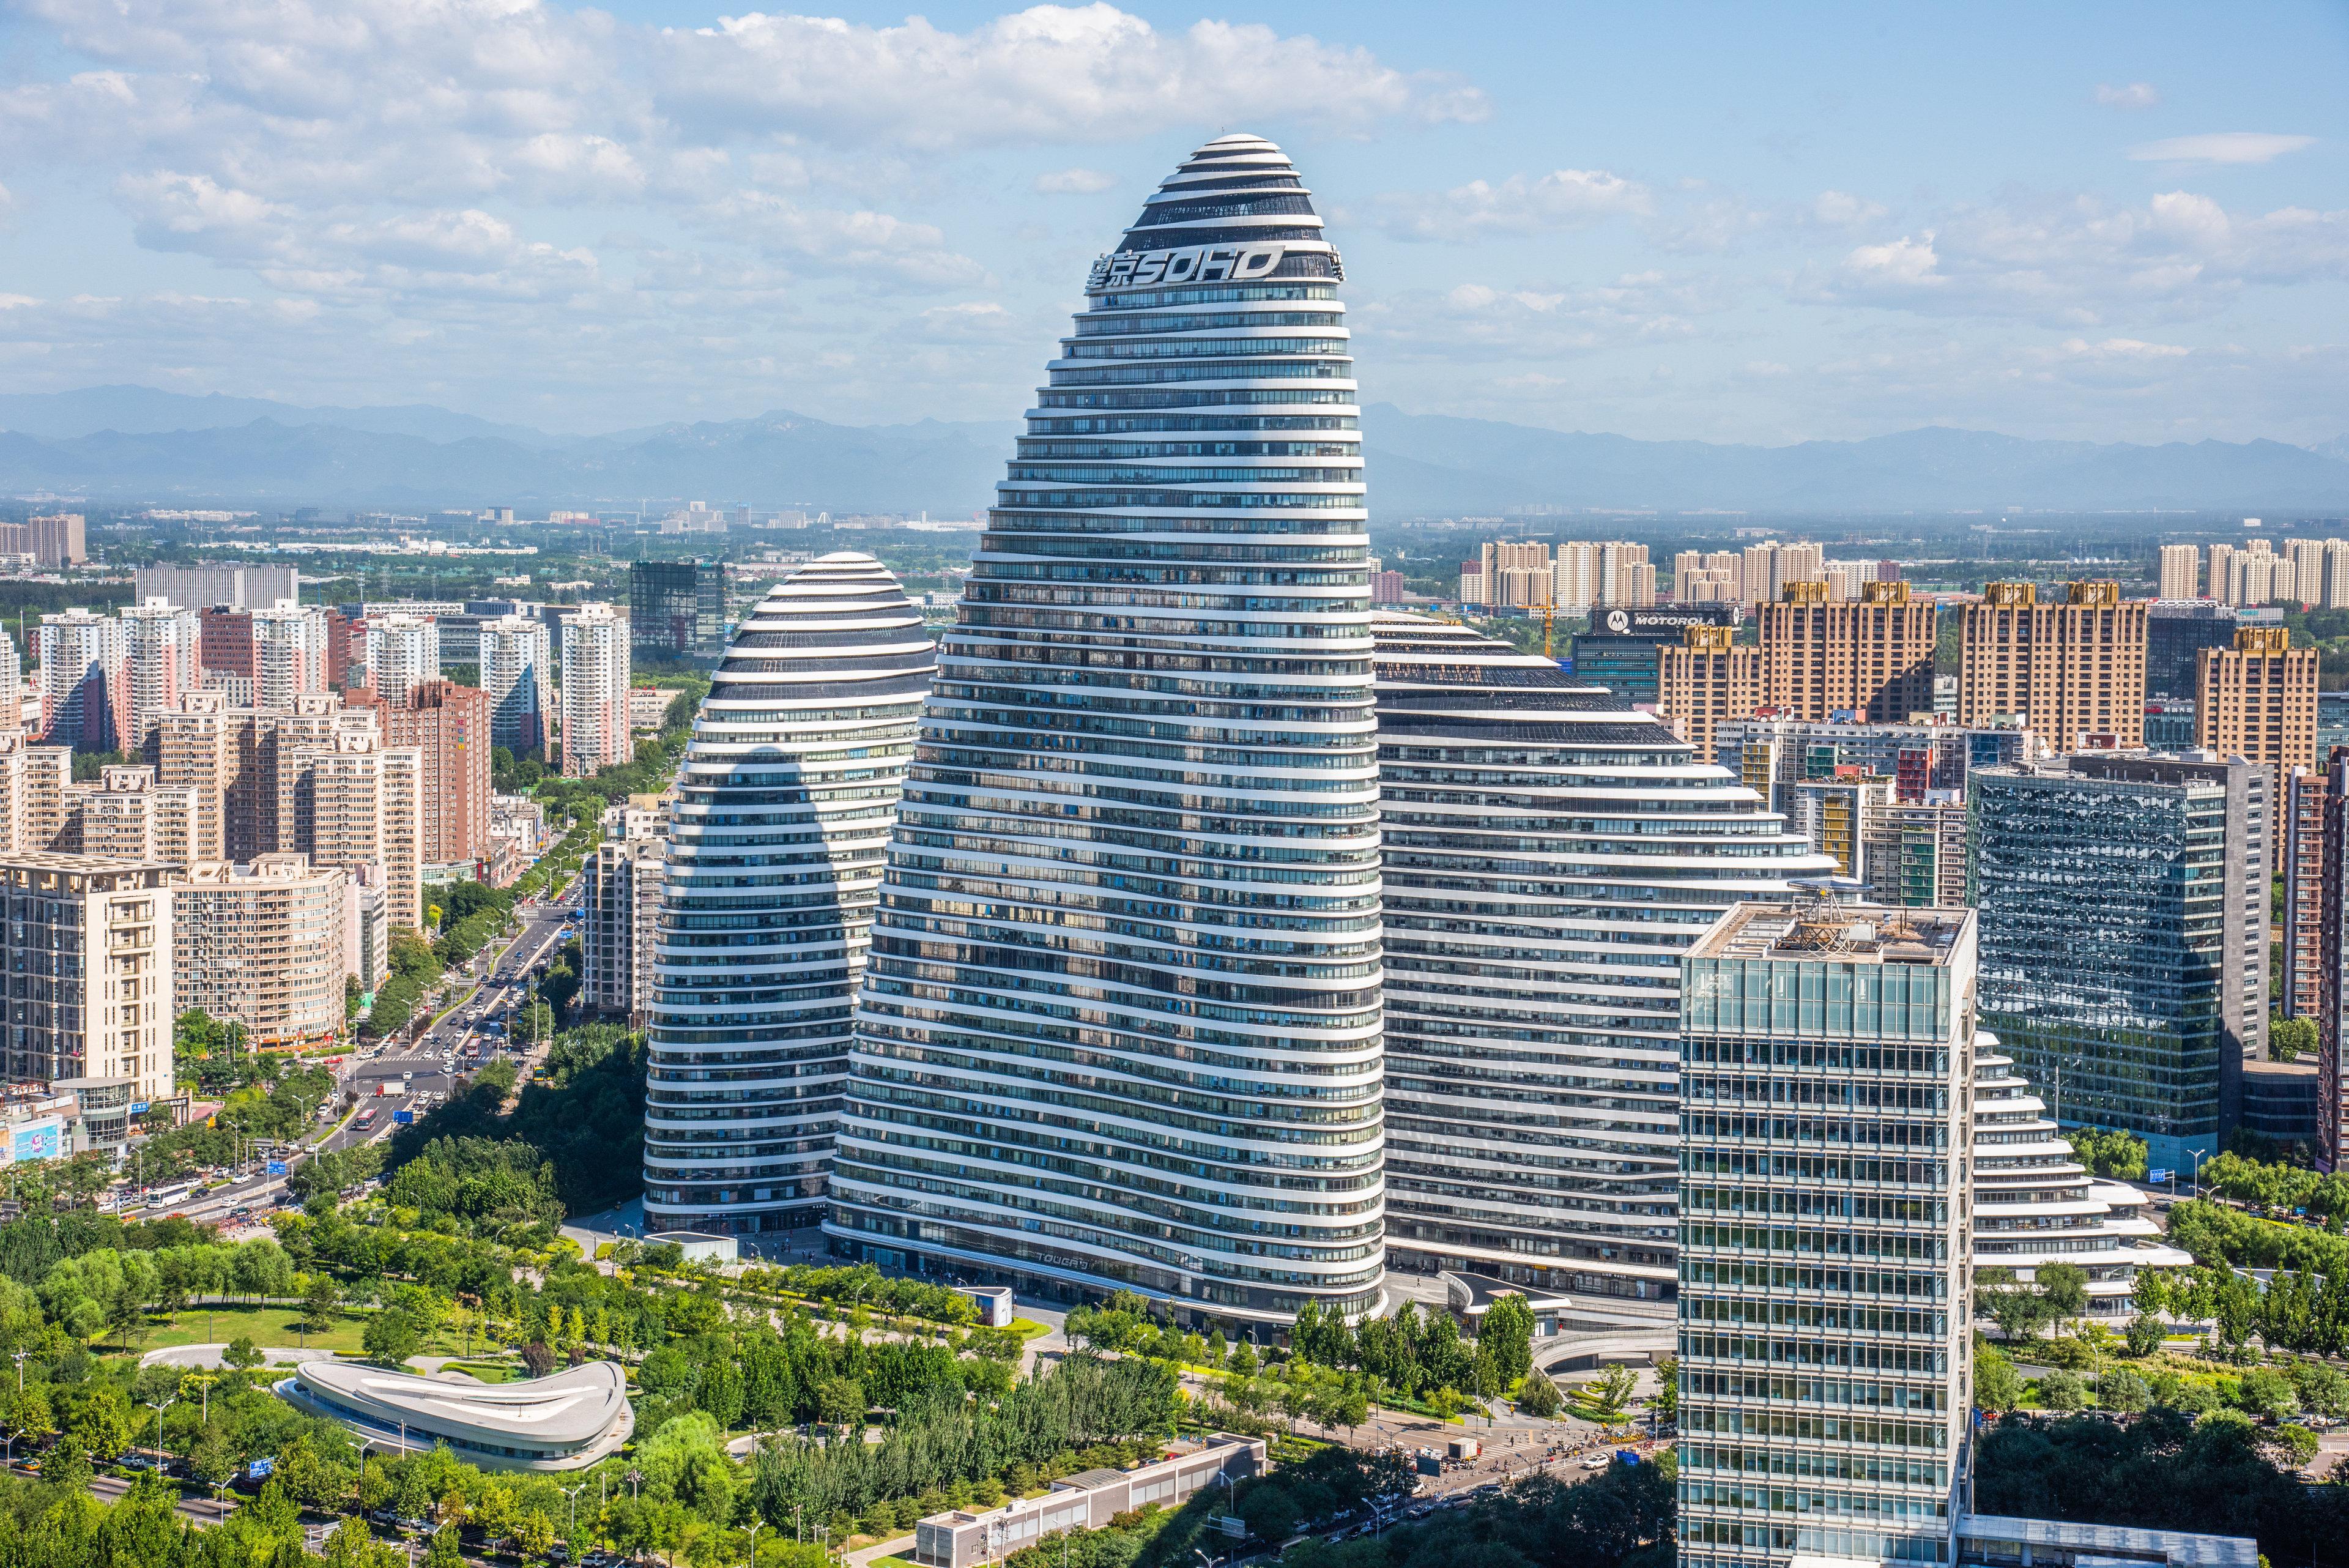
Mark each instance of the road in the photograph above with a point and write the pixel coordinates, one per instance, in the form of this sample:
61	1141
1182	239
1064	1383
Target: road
404	1077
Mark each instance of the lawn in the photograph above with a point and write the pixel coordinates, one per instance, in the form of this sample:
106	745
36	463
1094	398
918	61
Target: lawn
267	1325
485	1371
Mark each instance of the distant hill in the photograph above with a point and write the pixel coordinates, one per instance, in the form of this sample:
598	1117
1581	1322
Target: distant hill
1422	463
139	443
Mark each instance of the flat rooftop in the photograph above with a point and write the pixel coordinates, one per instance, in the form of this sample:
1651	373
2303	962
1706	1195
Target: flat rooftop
1826	929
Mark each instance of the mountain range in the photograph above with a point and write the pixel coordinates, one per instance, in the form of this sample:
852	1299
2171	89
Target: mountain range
137	443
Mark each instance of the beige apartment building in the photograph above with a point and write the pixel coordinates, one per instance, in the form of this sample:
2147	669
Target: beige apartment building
236	760
2075	670
86	942
1705	682
2181	571
356	802
265	944
1872	658
33	784
125	815
621	891
2257	699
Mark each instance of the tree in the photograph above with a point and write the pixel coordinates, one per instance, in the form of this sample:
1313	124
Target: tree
2064	1287
212	1461
1997	1385
1666	1400
2119	1388
242	1354
2290	1039
2062	1390
1269	1512
2020	1310
66	1466
320	1299
1506	1335
2144	1335
1538	1398
391	1336
2267	1392
840	1402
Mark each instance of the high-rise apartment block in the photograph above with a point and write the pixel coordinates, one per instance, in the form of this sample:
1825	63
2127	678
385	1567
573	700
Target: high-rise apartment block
1872	658
449	727
87	949
61	539
2181	572
517	673
265	944
1922	761
161	661
360	802
2257	700
85	681
1531	1029
2303	873
1586	574
125	815
289	653
1824	1287
2123	915
2074	670
34	785
2332	964
620	888
1706	683
596	732
403	652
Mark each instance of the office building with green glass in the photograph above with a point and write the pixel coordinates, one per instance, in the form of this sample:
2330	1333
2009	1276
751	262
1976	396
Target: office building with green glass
2123	898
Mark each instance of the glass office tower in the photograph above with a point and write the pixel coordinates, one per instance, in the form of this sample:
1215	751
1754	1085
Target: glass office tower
2124	906
1549	856
785	802
1824	1340
1121	1023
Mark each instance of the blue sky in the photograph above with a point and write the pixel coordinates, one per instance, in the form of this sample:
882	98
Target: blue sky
1720	222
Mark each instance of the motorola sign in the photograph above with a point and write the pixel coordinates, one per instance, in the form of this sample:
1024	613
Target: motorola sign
1191	264
1662	622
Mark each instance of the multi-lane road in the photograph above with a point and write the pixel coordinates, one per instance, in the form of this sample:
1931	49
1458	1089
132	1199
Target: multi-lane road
404	1076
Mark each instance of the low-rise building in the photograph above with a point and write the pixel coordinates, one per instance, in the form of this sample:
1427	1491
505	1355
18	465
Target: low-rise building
1086	1500
565	1422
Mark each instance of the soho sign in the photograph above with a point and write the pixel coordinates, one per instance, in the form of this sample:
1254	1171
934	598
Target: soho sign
1191	264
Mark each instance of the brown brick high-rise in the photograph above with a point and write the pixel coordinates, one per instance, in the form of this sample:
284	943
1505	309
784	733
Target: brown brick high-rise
449	724
2257	699
1704	682
1873	657
2075	669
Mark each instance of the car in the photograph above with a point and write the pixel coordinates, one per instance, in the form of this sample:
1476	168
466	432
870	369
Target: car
241	1210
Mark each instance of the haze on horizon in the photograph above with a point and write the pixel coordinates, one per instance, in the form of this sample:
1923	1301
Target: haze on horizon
2109	223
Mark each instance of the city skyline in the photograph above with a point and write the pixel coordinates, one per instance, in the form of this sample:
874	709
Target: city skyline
1683	222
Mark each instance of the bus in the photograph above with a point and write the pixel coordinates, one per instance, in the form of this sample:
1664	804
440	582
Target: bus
178	1192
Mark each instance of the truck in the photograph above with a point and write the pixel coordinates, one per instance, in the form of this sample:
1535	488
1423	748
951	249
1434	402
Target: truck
1463	1449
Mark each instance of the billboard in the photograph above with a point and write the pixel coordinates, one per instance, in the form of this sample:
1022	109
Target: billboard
41	1139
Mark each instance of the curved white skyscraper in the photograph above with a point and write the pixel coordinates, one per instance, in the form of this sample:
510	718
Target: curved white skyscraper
1550	854
2035	1203
784	805
1121	1022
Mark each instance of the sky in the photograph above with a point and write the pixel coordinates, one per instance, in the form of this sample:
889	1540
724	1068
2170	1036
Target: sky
1719	222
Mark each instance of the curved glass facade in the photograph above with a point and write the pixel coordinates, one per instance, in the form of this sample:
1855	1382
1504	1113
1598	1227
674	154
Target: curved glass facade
1121	1023
1550	854
785	803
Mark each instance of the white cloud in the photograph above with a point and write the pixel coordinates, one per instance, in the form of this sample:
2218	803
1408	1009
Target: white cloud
1050	74
2136	95
1075	182
2220	147
1561	198
2076	262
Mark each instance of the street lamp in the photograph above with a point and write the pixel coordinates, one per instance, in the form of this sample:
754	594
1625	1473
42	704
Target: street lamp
756	1526
2197	1155
159	1406
572	1494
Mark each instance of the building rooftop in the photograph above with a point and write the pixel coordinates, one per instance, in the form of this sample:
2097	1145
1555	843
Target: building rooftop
1822	926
